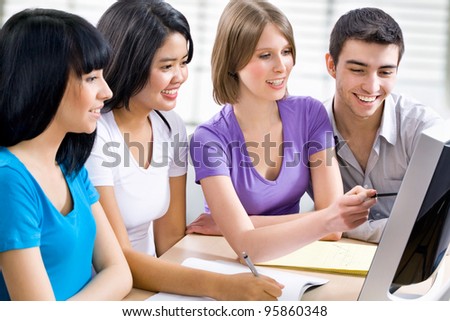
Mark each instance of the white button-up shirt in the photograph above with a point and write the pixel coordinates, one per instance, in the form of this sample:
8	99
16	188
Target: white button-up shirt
402	122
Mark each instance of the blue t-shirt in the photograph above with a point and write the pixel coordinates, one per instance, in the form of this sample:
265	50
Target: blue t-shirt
28	219
218	147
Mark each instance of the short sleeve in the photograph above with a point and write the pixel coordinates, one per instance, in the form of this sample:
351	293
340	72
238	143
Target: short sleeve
320	130
208	154
103	158
20	214
90	190
179	163
416	121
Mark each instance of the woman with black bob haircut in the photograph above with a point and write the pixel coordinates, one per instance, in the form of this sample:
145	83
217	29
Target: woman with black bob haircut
52	228
35	69
139	160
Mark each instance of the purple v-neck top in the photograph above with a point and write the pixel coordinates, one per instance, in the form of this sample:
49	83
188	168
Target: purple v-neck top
218	148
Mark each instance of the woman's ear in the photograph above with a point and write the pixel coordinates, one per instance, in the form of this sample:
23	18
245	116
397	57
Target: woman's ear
331	67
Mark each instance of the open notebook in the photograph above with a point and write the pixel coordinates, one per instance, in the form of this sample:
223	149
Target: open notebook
337	257
295	284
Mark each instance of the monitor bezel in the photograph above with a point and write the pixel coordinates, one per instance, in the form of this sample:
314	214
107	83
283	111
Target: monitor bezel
398	227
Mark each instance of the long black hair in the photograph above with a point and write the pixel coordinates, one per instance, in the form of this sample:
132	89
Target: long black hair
38	49
136	29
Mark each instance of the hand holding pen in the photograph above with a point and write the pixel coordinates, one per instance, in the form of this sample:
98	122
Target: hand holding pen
272	288
250	264
383	195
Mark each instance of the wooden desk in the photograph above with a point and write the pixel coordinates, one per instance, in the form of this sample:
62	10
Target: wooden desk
340	287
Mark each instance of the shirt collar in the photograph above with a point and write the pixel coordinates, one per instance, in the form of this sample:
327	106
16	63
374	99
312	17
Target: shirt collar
388	126
329	103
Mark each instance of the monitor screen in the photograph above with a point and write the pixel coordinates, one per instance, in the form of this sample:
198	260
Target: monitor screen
430	235
417	233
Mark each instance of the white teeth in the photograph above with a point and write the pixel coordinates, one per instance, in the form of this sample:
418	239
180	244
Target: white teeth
95	111
170	92
367	99
275	82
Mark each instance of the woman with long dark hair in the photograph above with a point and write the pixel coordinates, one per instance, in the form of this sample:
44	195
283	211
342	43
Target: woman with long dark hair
52	228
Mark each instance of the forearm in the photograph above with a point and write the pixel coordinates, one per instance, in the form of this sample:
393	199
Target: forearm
157	275
112	283
267	242
165	243
266	220
171	227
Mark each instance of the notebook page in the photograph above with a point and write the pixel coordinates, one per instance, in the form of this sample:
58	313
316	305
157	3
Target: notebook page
340	257
295	284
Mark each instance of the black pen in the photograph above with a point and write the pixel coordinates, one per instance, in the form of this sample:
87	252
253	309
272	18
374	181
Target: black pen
250	264
383	195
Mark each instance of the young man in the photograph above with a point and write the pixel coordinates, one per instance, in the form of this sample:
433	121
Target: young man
376	130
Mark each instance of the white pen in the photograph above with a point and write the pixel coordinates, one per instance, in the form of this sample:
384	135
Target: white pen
250	264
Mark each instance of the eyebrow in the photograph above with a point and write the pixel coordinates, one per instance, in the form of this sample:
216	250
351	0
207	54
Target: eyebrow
169	59
270	48
359	63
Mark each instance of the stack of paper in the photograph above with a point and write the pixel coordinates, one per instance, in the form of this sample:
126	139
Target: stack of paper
337	257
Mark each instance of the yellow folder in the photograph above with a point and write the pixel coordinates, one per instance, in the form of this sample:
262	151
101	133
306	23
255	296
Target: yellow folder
327	256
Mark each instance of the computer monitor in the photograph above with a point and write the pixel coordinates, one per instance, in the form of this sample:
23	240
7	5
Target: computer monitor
417	233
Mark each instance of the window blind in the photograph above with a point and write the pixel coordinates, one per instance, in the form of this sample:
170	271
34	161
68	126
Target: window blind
423	72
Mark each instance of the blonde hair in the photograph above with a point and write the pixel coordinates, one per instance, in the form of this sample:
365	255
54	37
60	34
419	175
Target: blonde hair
238	32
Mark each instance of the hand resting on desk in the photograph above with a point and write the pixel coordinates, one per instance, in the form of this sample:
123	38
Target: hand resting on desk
204	224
